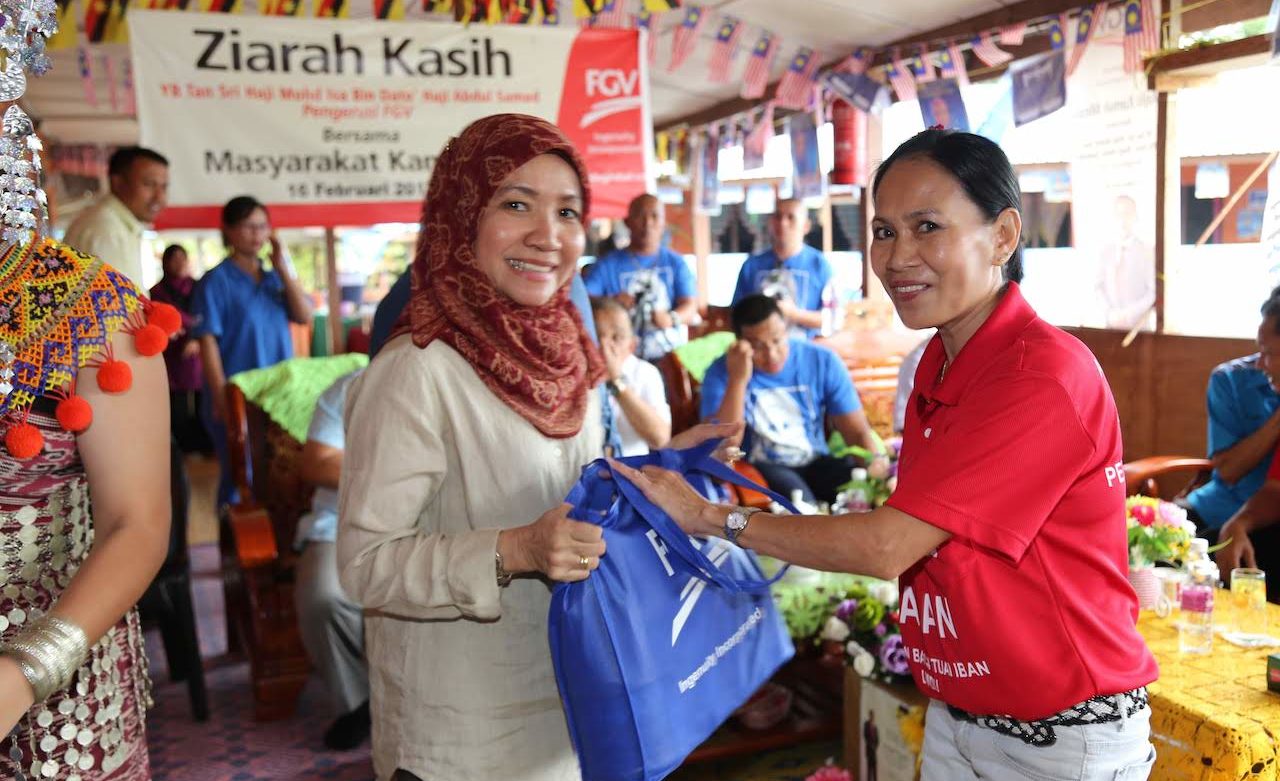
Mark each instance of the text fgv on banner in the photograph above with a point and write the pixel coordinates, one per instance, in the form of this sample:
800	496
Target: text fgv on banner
334	122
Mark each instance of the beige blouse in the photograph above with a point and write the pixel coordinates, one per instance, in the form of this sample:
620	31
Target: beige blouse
460	670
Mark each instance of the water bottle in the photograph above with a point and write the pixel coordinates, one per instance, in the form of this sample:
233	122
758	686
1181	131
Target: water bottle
1195	632
832	319
858	498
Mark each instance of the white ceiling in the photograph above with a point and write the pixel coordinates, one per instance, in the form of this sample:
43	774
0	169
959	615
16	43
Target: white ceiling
831	27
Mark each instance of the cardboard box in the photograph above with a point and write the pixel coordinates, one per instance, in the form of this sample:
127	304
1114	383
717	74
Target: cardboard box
1273	673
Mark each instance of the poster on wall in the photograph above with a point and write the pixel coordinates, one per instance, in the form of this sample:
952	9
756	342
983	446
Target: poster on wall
1113	175
807	179
339	121
709	175
1039	86
942	105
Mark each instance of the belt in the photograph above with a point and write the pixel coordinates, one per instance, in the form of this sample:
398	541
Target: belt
1095	710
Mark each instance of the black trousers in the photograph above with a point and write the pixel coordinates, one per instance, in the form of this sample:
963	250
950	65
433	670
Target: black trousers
185	423
818	479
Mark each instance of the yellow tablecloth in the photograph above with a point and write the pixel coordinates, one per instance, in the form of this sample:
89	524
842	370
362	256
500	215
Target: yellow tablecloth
1211	714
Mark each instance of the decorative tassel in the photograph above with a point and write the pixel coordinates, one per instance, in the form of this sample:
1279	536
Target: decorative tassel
165	316
23	441
149	340
73	413
113	376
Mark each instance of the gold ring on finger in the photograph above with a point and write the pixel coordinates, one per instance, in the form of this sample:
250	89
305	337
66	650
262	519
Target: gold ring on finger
584	562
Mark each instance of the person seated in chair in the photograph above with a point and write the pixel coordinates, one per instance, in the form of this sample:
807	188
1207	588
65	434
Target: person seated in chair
791	271
1254	534
636	392
785	389
1244	427
332	626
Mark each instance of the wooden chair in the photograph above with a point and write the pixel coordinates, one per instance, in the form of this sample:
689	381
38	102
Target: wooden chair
1140	477
258	561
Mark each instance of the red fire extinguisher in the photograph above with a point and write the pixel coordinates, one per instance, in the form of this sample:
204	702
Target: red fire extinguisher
850	126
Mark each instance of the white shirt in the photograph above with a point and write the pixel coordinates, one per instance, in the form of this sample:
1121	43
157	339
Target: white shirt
110	232
643	379
459	669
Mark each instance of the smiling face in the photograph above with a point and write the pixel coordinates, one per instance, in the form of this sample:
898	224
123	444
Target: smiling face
143	188
531	234
934	250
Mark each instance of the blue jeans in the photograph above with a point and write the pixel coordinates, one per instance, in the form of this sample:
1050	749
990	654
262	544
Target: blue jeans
956	750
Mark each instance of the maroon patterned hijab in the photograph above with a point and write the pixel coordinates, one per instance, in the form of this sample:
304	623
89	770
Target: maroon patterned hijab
539	360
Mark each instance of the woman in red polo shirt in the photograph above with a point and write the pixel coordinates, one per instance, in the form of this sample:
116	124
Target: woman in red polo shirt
1007	528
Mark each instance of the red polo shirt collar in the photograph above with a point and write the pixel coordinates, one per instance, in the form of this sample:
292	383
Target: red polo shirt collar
1007	321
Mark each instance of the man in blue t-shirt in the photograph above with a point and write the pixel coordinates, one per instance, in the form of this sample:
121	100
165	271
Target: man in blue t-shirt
785	389
1244	425
794	273
651	282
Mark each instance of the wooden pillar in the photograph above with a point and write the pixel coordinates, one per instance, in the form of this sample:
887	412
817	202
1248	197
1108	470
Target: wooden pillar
1168	196
335	292
871	287
828	229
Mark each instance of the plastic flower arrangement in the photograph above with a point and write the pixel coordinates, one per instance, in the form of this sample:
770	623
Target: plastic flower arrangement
870	486
865	623
1158	531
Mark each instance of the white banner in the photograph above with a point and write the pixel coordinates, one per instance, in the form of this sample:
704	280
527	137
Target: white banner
338	122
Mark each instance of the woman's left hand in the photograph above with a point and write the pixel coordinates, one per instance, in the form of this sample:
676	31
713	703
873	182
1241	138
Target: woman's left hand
673	494
731	433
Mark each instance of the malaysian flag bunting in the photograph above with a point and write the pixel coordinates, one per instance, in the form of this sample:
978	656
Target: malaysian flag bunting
858	62
518	11
221	6
332	9
550	16
726	44
86	77
986	50
658	6
1141	33
922	66
585	9
1013	34
388	9
900	77
686	36
1086	27
1058	32
130	98
611	16
644	21
759	64
796	88
757	140
286	7
113	90
951	64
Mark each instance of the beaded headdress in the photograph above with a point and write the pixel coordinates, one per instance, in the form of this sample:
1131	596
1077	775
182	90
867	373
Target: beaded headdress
24	26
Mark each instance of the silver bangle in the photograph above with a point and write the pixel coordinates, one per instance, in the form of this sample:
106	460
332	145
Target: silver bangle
48	651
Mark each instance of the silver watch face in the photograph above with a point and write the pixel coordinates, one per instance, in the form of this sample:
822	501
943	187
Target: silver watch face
737	520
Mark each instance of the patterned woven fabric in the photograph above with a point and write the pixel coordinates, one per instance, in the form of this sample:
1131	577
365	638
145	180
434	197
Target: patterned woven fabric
58	308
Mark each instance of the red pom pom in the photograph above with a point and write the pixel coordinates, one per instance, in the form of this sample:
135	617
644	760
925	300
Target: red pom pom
23	441
74	414
115	376
165	317
150	340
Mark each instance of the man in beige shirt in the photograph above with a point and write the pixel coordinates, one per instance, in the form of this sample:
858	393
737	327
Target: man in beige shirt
111	229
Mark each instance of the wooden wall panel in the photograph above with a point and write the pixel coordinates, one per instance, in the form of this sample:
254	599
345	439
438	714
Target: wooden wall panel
1159	385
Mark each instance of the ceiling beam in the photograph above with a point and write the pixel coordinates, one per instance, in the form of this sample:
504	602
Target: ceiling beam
1024	11
1205	57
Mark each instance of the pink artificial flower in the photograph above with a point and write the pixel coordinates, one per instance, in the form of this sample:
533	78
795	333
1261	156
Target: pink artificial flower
1144	514
830	773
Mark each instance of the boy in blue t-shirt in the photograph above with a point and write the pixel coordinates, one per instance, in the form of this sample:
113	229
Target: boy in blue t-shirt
785	389
651	282
792	272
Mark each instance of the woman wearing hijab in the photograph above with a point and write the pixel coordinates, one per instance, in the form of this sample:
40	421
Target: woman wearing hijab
463	437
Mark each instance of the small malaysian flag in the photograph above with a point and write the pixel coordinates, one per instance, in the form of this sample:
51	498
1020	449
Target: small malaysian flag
611	16
921	67
1058	32
756	77
986	50
1086	27
858	62
796	88
900	77
1013	34
951	64
686	36
1141	33
726	46
757	140
644	21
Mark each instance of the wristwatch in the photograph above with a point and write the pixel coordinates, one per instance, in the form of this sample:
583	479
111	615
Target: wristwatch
616	387
504	577
736	522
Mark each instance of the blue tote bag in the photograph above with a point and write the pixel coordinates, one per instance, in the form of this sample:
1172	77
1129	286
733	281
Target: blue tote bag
667	637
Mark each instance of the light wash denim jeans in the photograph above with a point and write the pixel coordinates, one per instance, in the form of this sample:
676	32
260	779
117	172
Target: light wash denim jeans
956	750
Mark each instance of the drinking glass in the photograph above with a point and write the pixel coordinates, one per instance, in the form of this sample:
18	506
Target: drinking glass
1249	604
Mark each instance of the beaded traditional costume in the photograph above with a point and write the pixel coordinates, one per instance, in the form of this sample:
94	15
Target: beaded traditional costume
58	312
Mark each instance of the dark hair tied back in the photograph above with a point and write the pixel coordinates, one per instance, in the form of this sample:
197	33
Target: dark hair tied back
980	166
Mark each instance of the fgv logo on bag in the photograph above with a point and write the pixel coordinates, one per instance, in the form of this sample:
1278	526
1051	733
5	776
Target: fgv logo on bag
717	551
